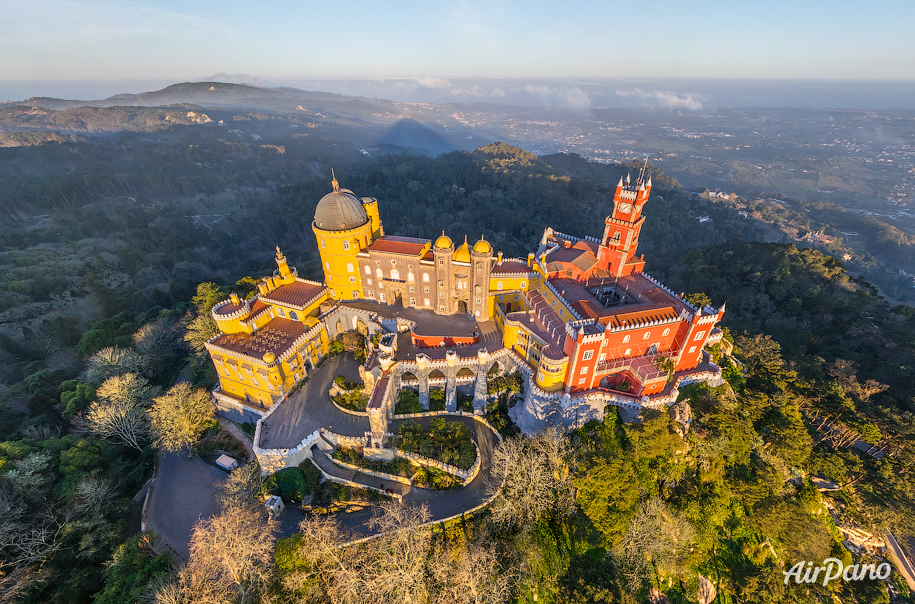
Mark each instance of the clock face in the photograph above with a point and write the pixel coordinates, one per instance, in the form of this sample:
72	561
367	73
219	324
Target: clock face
625	208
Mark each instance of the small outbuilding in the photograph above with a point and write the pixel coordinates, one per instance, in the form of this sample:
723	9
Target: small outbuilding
226	463
275	506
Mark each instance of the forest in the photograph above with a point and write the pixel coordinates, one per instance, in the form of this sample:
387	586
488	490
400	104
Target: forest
108	271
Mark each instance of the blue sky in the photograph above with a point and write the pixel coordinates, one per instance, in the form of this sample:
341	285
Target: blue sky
114	39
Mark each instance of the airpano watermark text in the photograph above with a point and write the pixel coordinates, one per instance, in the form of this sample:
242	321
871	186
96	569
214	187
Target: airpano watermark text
832	568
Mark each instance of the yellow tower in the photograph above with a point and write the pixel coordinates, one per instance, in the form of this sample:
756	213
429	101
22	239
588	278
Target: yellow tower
343	229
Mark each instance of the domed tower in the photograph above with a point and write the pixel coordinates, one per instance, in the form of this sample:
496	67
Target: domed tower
481	258
443	252
342	228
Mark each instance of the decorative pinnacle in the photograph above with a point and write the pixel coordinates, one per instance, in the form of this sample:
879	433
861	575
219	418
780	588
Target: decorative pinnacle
334	182
279	254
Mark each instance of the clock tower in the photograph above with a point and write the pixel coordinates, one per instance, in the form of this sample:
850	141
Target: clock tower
622	228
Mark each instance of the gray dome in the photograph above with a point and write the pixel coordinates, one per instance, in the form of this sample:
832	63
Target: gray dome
339	211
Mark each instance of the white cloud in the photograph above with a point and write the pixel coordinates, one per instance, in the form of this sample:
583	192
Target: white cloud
689	100
477	91
561	96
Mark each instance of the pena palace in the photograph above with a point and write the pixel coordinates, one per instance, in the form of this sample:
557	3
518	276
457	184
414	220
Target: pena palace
580	317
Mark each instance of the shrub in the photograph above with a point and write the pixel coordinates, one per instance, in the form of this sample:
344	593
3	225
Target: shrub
290	484
407	402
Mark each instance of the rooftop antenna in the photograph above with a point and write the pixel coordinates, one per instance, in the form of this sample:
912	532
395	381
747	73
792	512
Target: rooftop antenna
642	171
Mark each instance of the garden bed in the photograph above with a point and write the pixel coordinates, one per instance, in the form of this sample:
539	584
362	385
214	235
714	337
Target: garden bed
397	467
444	441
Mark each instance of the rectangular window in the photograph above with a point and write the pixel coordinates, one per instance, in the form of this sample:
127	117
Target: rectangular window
692	349
426	302
412	289
699	336
346	245
368	269
478	300
581	381
602	358
369	281
584	370
371	294
441	309
323	244
381	296
587	356
412	301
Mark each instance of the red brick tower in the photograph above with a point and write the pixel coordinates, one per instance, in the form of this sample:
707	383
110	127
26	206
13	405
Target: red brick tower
622	228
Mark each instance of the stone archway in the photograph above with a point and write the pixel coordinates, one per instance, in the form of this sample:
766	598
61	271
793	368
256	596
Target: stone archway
466	372
360	326
462	307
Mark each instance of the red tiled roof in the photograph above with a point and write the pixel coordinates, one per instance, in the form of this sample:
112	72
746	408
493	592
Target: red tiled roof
407	246
228	309
296	293
276	337
511	266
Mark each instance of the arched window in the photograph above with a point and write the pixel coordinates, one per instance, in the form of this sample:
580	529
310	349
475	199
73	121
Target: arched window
380	274
368	270
523	284
499	285
327	265
355	294
628	352
479	266
666	332
425	277
293	315
625	339
410	278
349	267
395	276
647	335
280	312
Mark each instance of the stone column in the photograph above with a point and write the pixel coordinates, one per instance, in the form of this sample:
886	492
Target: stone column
482	383
451	381
422	376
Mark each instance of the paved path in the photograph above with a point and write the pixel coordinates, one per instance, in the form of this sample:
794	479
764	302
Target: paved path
902	561
184	491
236	431
310	408
441	504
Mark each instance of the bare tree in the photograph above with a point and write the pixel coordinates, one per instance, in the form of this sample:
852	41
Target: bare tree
470	574
120	411
156	342
537	479
657	535
231	560
388	569
242	487
180	416
112	361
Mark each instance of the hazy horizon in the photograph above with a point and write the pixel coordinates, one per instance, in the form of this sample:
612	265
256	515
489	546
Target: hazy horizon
572	93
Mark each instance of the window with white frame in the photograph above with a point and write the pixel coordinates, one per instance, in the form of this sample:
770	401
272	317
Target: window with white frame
602	357
666	332
587	355
381	296
352	279
280	312
647	335
379	274
395	276
349	267
346	245
581	381
699	336
327	265
584	370
323	244
412	301
425	277
368	269
426	302
628	352
523	284
499	286
355	294
692	349
393	261
625	339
